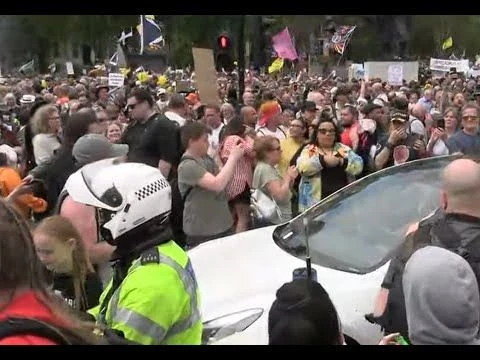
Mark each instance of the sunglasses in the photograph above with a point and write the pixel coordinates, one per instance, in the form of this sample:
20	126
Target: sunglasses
469	118
326	131
130	107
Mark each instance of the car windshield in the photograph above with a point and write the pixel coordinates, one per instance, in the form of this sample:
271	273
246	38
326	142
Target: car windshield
359	227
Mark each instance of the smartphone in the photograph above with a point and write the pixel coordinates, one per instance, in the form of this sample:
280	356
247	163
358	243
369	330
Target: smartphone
301	273
441	123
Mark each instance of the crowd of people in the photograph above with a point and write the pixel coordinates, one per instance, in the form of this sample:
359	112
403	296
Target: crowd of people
137	176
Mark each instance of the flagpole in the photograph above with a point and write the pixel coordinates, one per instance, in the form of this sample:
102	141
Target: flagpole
141	34
344	48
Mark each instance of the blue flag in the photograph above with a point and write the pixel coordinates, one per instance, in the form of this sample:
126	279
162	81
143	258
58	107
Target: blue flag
150	33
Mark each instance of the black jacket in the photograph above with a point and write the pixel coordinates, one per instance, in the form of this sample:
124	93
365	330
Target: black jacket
458	233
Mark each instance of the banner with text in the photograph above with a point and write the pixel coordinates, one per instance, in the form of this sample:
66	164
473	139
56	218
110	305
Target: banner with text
445	65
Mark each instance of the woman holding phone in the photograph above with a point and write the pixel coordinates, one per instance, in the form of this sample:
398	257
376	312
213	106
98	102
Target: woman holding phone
445	127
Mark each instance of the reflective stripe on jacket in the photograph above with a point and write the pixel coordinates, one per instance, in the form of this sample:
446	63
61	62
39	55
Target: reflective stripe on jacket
157	302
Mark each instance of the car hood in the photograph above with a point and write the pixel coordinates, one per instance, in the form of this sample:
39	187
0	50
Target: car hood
245	270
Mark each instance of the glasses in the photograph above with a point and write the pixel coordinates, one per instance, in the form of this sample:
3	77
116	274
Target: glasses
468	118
297	126
326	131
54	118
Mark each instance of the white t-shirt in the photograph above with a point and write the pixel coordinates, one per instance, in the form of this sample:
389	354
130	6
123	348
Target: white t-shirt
44	146
175	117
214	140
279	133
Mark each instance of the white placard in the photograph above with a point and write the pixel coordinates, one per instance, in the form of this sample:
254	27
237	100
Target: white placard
445	65
395	74
69	66
115	80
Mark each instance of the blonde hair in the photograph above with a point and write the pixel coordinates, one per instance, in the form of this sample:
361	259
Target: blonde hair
61	229
263	145
40	121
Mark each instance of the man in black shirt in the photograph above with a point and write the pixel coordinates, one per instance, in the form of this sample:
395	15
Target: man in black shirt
153	139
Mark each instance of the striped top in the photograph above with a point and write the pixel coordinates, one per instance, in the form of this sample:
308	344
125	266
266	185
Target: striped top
243	173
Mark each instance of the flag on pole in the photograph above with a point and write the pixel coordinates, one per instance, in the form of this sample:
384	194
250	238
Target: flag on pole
447	44
151	34
124	37
283	45
341	37
114	59
121	58
277	65
27	68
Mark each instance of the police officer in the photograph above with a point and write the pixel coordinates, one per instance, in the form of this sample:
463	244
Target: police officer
455	226
153	296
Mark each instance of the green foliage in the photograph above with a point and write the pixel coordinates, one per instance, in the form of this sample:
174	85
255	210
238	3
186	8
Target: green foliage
182	32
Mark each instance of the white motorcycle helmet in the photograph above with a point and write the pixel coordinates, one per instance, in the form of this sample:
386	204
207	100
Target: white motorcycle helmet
126	195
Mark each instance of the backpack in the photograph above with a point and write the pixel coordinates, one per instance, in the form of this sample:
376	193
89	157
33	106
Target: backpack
178	205
14	326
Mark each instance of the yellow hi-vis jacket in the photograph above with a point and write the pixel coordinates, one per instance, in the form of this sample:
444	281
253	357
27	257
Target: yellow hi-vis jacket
157	302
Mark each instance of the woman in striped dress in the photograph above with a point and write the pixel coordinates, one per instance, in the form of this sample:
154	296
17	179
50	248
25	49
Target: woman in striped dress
238	189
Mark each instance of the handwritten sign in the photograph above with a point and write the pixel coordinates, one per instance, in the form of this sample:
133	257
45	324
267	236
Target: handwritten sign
115	80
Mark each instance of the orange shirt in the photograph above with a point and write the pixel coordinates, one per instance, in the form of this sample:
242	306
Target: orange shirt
9	180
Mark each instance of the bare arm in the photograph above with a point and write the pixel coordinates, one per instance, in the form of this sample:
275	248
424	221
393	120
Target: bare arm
83	218
164	168
217	183
382	158
280	190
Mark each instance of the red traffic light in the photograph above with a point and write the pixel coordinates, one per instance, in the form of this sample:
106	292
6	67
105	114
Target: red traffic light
223	42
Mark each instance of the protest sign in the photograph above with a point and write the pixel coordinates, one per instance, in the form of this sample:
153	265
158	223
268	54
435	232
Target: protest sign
115	80
445	65
206	75
69	66
379	69
395	74
356	71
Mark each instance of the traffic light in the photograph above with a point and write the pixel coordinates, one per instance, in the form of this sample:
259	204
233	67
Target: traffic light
225	51
262	41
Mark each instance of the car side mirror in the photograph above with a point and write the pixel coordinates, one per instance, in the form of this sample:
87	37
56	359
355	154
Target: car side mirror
227	325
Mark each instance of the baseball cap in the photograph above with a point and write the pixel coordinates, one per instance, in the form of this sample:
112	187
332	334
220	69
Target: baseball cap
93	147
367	109
192	98
397	115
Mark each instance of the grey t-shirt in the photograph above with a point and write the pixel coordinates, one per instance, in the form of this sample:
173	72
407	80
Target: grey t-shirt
263	174
206	212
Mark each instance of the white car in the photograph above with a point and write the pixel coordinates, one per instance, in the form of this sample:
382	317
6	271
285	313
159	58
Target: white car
352	236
